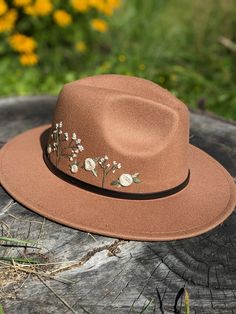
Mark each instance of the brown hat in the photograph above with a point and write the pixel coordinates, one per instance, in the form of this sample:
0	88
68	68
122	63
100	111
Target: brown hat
117	161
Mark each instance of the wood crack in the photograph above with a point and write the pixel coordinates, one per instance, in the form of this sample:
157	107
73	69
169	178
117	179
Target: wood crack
112	249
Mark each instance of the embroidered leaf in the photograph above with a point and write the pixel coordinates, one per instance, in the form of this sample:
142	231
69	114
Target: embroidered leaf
94	172
136	180
115	182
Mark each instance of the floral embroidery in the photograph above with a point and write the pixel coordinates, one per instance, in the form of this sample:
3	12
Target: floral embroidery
74	168
126	180
69	147
107	167
90	165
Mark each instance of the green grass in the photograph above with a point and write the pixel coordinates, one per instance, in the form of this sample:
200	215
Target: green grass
173	43
1	309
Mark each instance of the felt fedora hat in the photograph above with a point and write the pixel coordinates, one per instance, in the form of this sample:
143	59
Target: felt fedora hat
116	160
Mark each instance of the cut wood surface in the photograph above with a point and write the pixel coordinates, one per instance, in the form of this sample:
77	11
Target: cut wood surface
84	273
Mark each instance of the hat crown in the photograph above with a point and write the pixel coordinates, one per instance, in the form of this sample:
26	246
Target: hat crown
120	133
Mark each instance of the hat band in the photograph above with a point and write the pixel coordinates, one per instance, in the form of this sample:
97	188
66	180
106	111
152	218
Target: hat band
110	193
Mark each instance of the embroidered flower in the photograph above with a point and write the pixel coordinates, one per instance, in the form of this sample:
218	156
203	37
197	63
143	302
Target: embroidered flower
49	149
74	168
63	145
126	179
89	164
107	167
80	148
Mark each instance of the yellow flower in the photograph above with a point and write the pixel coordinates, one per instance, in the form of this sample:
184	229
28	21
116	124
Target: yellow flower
21	3
141	67
81	46
114	3
173	77
80	5
122	58
99	25
29	9
22	43
105	67
62	18
7	21
3	7
29	59
162	79
107	7
39	8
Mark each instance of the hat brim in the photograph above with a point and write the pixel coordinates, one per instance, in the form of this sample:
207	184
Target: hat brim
207	201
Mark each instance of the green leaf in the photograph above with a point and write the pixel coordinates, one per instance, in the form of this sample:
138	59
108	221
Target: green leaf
19	260
1	309
115	182
6	239
136	180
186	302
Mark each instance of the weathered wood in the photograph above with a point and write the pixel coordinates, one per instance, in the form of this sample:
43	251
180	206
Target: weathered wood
114	276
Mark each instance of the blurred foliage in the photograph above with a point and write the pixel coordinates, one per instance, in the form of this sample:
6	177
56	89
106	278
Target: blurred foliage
173	43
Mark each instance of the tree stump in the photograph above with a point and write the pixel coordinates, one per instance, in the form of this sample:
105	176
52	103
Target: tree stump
84	273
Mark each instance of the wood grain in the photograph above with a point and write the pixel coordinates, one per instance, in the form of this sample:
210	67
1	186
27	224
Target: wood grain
110	275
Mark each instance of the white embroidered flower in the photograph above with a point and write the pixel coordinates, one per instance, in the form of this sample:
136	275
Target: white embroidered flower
49	149
119	166
73	136
81	148
106	157
125	179
108	165
76	151
89	164
60	124
74	168
60	132
114	162
71	158
78	141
